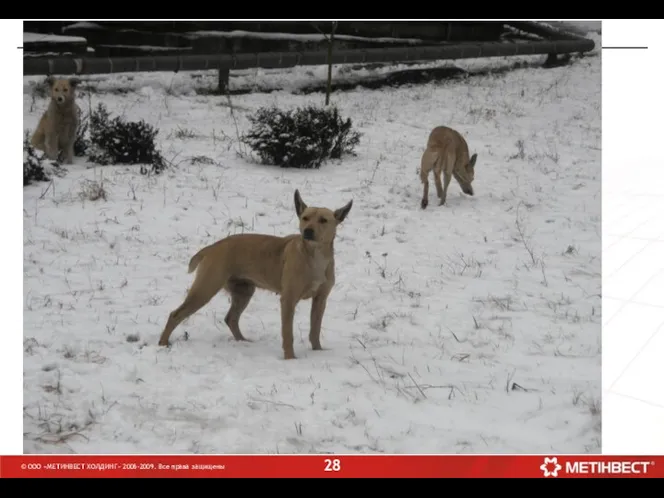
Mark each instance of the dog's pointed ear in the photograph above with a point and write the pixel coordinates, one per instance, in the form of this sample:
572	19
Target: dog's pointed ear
74	82
341	213
473	160
50	80
300	206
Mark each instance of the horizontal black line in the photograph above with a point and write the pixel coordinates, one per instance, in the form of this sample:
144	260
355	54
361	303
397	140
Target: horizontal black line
603	48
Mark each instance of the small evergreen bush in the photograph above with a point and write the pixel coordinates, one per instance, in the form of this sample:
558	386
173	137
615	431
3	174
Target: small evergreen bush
116	141
82	143
302	138
33	167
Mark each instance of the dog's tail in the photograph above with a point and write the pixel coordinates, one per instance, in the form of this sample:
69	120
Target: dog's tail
196	259
428	164
439	160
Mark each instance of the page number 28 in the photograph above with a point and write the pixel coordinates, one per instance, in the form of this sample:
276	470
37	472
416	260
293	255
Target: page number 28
332	465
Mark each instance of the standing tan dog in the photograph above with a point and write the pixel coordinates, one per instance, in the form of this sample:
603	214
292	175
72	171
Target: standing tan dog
446	153
296	267
57	127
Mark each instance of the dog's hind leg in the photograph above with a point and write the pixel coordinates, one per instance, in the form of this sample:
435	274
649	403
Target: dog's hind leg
424	177
425	193
241	292
205	287
441	189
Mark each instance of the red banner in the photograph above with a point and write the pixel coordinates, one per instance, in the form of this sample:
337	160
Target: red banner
331	466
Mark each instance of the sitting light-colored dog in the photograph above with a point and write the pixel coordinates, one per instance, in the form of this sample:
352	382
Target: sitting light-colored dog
447	153
296	267
57	127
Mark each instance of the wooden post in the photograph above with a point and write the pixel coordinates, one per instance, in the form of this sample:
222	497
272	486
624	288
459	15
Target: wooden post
329	63
224	77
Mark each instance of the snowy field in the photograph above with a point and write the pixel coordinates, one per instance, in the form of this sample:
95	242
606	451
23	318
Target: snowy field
467	328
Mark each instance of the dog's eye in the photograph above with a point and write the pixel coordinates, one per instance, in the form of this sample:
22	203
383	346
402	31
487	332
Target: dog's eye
305	218
322	220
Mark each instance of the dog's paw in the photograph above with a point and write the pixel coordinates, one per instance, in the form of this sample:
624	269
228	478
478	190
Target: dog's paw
243	339
424	203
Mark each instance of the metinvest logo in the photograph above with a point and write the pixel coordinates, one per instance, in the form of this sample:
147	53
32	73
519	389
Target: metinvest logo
550	467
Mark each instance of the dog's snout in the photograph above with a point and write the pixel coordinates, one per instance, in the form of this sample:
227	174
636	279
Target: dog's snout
308	234
61	99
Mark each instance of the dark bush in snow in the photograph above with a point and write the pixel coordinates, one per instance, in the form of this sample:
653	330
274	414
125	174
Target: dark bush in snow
33	167
116	141
82	143
303	138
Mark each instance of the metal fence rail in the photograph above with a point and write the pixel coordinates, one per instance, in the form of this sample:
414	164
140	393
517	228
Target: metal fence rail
273	60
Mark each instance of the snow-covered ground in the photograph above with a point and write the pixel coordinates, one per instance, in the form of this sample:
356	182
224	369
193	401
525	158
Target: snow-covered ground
468	328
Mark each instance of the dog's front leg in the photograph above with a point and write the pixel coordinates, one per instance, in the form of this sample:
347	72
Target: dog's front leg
69	151
288	304
51	147
318	304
